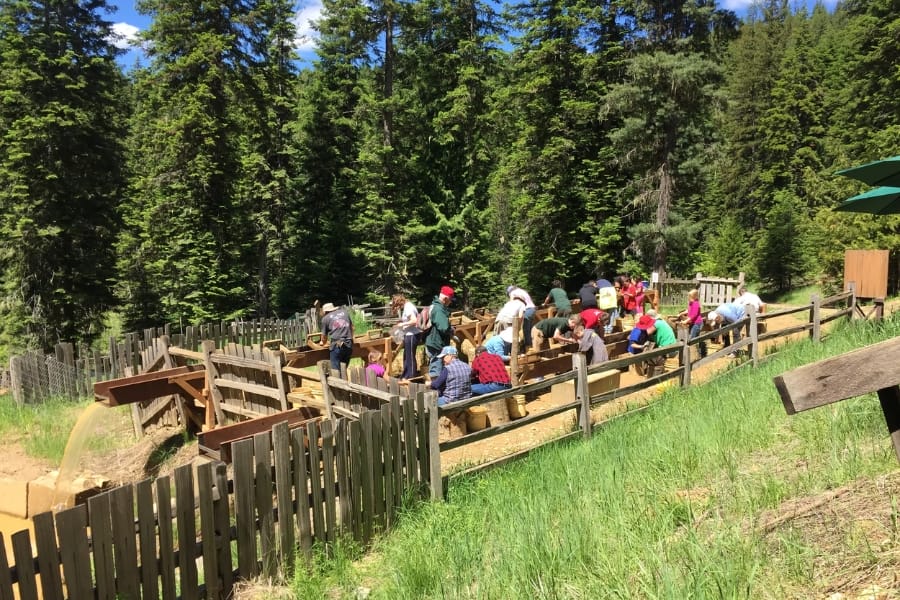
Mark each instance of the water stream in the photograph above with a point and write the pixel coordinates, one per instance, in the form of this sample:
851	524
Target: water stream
85	426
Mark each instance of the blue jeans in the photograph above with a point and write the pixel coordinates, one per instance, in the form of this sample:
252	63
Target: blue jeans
340	354
726	337
527	324
479	389
410	369
613	315
695	331
435	364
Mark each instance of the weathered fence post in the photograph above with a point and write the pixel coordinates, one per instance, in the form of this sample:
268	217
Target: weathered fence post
434	447
324	368
514	353
684	336
582	392
754	337
815	317
215	394
851	287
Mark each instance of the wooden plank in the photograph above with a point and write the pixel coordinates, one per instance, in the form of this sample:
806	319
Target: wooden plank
244	507
102	545
222	518
327	431
397	450
434	448
377	470
6	584
357	452
301	490
166	538
281	444
21	545
75	553
242	361
387	482
368	494
147	540
342	460
205	490
212	373
837	378
47	556
315	480
187	532
216	438
409	442
124	542
324	369
262	466
422	440
138	388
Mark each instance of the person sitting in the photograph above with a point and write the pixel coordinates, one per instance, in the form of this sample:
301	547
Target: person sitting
554	328
501	344
727	314
455	380
488	373
637	341
659	334
590	344
558	297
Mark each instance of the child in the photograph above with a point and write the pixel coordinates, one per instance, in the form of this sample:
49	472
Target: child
693	317
375	368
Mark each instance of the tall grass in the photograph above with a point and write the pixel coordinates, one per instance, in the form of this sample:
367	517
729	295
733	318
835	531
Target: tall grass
660	504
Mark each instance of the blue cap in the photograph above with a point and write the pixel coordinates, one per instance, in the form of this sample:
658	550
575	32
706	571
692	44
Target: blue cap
447	350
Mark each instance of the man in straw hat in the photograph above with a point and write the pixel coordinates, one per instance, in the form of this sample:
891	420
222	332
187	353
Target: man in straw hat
337	328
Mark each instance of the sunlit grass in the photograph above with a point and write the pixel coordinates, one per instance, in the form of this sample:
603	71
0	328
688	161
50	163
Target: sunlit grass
660	504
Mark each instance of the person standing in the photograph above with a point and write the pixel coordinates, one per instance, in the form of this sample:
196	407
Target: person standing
558	296
455	380
408	313
514	307
514	292
554	328
588	295
591	345
337	331
608	302
488	373
694	318
438	336
750	300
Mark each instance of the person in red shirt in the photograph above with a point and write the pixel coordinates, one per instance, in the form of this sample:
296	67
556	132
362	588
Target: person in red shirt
593	318
489	374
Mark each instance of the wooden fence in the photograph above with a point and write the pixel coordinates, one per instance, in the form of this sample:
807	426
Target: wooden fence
713	290
71	372
291	488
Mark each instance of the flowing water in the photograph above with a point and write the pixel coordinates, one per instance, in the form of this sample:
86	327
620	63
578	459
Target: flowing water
84	428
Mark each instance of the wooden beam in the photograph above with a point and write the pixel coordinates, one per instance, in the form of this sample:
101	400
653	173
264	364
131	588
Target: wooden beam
837	378
137	388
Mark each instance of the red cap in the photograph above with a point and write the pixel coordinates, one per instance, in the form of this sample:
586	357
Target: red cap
645	322
447	291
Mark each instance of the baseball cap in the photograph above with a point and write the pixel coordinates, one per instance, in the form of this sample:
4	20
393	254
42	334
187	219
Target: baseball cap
447	291
447	350
645	322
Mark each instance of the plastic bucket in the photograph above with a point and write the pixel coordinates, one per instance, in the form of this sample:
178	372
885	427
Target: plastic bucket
516	406
476	418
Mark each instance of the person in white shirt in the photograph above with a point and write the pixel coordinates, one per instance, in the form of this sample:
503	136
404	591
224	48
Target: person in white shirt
515	307
749	299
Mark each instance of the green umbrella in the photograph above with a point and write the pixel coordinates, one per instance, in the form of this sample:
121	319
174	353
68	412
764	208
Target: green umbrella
879	172
880	201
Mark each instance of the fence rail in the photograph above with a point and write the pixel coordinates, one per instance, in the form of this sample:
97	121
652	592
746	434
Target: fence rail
290	489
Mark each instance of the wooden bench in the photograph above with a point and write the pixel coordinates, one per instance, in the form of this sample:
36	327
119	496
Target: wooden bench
856	373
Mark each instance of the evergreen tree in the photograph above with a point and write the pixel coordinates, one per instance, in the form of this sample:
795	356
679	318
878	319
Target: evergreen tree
61	117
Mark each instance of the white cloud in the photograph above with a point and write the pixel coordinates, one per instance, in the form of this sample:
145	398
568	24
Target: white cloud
306	35
124	35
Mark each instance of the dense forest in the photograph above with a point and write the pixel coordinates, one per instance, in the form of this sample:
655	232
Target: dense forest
429	142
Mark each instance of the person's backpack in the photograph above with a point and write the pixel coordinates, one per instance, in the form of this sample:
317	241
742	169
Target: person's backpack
423	322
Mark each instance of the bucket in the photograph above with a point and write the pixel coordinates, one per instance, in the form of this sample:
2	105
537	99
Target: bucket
515	405
476	418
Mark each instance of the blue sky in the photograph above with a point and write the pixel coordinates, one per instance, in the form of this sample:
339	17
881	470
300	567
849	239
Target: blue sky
127	21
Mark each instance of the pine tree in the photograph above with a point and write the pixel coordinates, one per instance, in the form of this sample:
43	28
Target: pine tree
61	117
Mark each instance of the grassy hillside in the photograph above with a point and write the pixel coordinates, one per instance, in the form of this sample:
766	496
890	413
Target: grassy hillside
697	497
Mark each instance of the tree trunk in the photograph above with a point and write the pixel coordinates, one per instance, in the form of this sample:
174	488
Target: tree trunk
663	207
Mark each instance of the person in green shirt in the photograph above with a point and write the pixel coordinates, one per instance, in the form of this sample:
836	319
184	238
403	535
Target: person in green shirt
558	296
554	328
660	333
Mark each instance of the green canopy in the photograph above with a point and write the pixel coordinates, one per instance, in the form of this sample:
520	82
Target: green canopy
880	201
879	172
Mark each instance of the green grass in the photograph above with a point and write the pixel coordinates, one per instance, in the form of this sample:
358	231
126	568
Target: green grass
660	504
44	428
795	297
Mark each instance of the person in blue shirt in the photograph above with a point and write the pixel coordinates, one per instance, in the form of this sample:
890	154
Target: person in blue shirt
726	314
500	344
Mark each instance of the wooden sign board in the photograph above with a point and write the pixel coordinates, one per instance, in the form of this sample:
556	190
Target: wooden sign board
868	269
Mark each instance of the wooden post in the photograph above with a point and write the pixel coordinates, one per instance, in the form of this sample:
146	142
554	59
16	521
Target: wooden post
754	337
324	368
851	287
815	317
434	447
684	336
582	392
890	406
879	308
514	353
215	396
